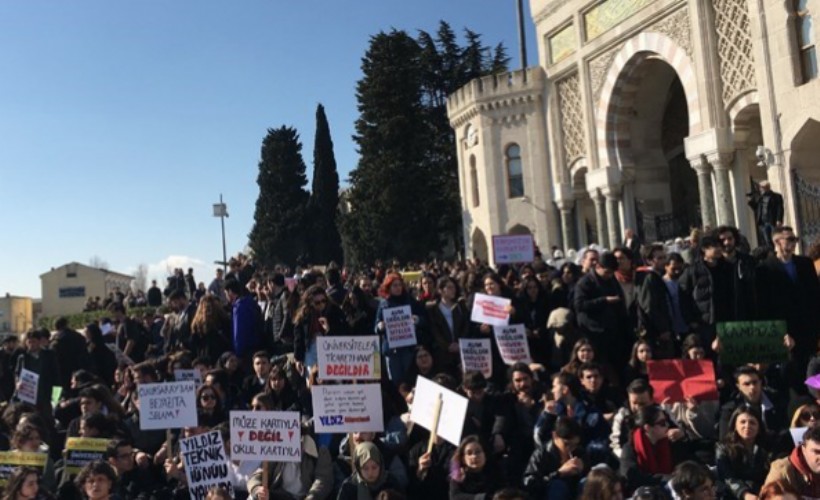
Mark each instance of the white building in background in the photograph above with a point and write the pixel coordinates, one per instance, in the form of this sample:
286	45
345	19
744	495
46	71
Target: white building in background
67	288
651	114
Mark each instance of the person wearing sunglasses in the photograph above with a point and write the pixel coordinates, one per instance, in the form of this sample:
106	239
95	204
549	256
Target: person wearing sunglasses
807	415
317	316
649	457
208	402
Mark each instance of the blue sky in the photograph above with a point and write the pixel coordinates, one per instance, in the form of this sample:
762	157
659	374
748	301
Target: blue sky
122	122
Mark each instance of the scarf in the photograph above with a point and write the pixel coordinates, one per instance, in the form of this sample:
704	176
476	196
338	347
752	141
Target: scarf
652	459
625	277
364	452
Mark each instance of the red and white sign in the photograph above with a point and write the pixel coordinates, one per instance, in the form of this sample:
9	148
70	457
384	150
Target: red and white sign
273	436
491	310
476	355
512	344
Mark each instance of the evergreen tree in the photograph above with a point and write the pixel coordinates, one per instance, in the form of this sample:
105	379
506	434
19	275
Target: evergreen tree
278	233
324	239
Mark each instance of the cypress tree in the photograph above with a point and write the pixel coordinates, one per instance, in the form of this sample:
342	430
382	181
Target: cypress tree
325	242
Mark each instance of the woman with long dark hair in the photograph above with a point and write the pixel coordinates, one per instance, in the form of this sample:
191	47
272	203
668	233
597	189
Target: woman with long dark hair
359	315
210	329
24	484
648	458
534	309
742	456
472	475
317	316
103	359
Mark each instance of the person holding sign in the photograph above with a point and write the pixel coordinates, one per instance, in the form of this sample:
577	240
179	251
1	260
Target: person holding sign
394	294
495	287
43	362
316	316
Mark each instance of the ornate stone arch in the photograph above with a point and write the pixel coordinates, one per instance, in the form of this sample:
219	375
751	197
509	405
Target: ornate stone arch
740	105
613	140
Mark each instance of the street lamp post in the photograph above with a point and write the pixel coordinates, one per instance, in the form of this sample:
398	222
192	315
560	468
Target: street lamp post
221	211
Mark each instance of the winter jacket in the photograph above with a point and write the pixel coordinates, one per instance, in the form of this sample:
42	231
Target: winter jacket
794	471
743	473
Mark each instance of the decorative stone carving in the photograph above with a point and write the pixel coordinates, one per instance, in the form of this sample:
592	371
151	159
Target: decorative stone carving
549	9
737	71
598	68
677	27
572	119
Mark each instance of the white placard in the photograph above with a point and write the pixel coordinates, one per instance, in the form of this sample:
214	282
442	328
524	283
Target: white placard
27	386
183	375
476	355
797	434
513	249
169	405
347	408
205	464
273	436
491	310
453	409
401	331
348	358
512	344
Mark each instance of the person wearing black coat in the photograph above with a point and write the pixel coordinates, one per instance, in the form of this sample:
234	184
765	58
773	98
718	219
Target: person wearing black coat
655	316
472	474
556	468
69	348
447	330
316	316
103	359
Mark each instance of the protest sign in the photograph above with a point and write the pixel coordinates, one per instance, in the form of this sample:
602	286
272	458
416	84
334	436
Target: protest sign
273	436
513	249
453	410
512	344
401	331
675	380
205	464
797	434
347	408
10	460
410	276
476	355
348	358
752	342
170	405
56	393
491	310
27	386
183	375
81	451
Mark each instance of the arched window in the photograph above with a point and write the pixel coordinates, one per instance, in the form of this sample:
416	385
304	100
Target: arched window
474	181
515	176
805	40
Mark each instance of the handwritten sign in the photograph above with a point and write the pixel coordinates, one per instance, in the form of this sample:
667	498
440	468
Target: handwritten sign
453	409
274	436
513	249
10	460
347	408
752	342
512	344
170	405
675	380
193	374
348	358
27	386
476	355
401	332
205	464
81	451
491	310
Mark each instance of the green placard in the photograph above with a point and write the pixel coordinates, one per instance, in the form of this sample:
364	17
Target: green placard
56	392
752	342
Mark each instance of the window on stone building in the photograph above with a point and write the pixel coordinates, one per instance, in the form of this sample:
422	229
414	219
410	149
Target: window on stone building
515	175
805	40
474	181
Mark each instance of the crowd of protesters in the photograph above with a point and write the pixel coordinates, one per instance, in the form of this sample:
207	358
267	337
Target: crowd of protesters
579	421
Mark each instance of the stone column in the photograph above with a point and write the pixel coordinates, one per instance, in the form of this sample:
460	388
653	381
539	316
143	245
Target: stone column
613	216
707	205
600	217
722	163
567	224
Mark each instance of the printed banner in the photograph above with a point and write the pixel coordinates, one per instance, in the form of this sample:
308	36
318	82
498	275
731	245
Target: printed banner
401	332
183	375
491	310
453	410
205	464
273	436
348	358
10	460
675	380
752	342
169	405
512	344
347	408
476	355
513	249
27	386
80	451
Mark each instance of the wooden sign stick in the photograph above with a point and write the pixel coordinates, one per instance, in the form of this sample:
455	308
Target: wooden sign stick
436	417
265	475
168	454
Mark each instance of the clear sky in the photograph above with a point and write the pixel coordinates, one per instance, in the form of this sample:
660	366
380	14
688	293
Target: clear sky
121	122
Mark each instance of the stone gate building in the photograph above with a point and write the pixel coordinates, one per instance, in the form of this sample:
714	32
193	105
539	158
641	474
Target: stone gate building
650	114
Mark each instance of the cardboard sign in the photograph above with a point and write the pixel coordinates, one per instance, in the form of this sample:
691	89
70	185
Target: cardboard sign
491	310
27	386
453	410
411	276
675	380
512	344
797	434
81	451
348	358
744	342
170	405
10	460
182	375
401	331
205	464
513	249
273	436
347	408
476	355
